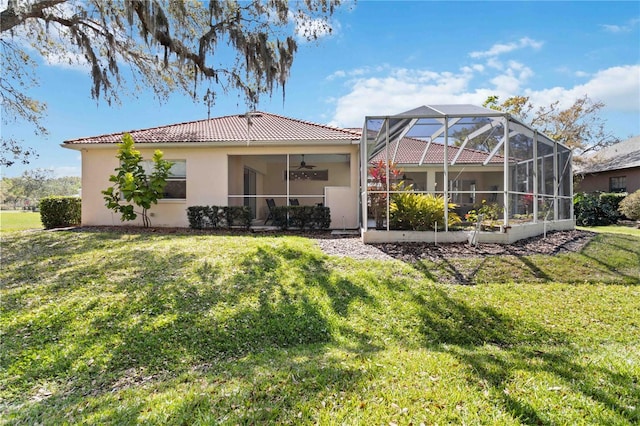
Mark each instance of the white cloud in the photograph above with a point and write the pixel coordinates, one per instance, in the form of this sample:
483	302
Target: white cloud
617	87
615	29
337	74
68	60
495	64
356	72
507	82
404	89
502	48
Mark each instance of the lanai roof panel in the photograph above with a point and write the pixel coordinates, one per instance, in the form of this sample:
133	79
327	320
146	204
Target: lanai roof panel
411	151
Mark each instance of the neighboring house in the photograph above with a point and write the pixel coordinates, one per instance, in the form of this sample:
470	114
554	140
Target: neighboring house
615	168
233	160
465	153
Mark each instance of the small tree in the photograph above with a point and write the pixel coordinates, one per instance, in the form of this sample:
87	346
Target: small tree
132	186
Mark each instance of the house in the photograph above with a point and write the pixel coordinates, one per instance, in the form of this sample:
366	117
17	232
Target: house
615	168
240	159
465	153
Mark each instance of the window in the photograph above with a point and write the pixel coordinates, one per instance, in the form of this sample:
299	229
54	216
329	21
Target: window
618	184
177	182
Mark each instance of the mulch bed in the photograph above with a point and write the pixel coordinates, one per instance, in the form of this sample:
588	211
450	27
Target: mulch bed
553	243
352	246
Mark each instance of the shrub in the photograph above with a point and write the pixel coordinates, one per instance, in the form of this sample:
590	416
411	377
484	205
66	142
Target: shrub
302	217
200	217
613	199
419	212
630	206
596	209
213	217
489	212
237	216
60	212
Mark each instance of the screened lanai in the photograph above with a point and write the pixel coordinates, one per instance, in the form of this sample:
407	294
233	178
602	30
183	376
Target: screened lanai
503	180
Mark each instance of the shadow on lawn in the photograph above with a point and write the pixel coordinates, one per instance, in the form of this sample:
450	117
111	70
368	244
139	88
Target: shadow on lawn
256	334
472	271
497	347
621	248
613	259
194	314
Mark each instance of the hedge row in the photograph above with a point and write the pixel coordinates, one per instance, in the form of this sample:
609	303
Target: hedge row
213	217
597	209
60	212
302	217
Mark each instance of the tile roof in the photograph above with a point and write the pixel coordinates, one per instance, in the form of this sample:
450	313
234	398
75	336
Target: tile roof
411	151
265	127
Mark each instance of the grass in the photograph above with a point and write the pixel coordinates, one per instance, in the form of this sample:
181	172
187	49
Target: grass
613	229
109	328
19	221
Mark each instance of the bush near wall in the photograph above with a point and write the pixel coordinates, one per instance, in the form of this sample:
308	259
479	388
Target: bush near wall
215	217
60	212
419	212
302	217
630	206
597	209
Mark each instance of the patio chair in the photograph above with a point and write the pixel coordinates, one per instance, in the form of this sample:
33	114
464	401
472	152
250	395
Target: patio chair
294	202
271	204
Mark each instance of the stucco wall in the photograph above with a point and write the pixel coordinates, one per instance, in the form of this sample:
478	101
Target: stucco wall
207	180
513	234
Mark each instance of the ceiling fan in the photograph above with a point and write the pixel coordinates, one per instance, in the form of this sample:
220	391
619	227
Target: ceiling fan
304	165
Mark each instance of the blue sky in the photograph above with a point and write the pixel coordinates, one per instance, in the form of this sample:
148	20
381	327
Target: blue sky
389	57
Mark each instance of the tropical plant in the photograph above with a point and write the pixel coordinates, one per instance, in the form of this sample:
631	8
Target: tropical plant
383	176
420	212
489	212
132	186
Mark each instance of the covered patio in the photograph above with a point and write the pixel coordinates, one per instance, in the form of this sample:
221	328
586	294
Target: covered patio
503	180
314	178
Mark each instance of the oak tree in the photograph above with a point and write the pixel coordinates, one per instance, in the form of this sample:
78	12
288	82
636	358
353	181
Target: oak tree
222	46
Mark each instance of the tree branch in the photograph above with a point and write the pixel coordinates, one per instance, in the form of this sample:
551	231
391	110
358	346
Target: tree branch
10	18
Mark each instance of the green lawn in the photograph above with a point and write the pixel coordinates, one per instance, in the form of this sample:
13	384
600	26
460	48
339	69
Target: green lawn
18	221
110	328
613	229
